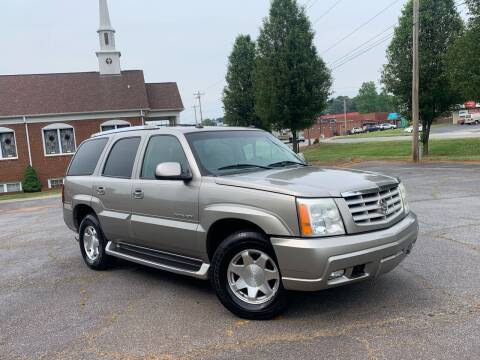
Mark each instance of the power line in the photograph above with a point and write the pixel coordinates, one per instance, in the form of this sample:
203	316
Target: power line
371	47
361	46
327	12
311	5
360	27
353	54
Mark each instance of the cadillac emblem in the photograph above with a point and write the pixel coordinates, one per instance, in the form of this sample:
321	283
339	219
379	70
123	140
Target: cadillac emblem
383	207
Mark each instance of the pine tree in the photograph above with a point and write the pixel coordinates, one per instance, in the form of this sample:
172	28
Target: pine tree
30	182
238	98
292	82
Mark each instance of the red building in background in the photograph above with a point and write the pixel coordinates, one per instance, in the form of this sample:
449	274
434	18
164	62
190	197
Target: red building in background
335	124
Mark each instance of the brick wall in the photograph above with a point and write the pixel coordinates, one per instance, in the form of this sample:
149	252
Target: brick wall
12	170
48	167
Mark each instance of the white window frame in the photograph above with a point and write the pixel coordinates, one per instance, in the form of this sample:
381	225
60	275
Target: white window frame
8	130
114	123
4	186
58	127
50	182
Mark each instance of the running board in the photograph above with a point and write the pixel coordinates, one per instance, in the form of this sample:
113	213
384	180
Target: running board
159	259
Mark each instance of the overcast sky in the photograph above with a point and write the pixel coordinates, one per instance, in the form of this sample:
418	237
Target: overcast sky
187	41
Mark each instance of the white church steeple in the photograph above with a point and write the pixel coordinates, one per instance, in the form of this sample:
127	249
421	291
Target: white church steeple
108	57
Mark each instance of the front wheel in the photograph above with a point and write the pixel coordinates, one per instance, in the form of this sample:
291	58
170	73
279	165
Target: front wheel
246	277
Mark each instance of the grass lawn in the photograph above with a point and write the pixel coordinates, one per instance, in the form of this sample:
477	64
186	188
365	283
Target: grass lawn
384	133
446	150
30	195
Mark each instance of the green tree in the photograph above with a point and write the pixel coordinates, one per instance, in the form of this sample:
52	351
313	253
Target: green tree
367	98
30	182
386	102
292	82
238	96
209	122
464	56
335	105
440	25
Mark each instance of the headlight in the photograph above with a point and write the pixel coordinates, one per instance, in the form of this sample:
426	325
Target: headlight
319	217
403	195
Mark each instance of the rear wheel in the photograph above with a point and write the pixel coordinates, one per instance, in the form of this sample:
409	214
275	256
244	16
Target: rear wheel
92	244
246	277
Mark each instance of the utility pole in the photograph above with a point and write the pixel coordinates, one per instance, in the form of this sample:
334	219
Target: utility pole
416	81
198	95
345	114
195	110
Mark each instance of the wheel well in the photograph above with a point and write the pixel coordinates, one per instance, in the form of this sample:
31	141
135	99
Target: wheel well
79	212
221	229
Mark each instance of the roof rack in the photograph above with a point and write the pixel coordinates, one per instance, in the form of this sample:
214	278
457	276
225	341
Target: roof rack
140	127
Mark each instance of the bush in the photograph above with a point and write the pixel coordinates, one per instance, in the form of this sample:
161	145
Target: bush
317	141
31	182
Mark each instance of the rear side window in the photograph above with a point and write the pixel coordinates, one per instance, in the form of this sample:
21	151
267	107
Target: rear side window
86	158
121	158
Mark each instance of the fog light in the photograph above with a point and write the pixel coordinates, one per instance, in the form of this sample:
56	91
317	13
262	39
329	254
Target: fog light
336	274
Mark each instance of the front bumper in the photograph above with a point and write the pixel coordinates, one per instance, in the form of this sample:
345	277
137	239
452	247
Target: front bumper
306	264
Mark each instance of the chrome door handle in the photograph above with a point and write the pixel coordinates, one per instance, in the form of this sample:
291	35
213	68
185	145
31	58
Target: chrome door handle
100	190
138	194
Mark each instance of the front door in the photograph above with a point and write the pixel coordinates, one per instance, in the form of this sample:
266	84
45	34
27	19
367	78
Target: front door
165	212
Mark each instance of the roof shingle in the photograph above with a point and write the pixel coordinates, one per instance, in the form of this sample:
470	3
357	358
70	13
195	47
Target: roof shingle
164	96
80	92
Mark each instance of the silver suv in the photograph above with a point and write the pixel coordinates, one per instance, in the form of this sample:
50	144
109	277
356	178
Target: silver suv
236	206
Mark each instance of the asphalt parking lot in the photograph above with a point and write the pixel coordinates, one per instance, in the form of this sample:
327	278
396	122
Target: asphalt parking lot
53	307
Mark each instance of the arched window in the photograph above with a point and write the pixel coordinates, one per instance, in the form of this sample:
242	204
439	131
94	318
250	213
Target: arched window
114	125
8	145
58	139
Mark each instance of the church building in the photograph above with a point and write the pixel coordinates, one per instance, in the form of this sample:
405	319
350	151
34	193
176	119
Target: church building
44	117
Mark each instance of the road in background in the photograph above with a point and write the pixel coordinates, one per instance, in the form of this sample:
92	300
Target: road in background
52	306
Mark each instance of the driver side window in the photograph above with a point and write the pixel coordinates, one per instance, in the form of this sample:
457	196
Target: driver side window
161	149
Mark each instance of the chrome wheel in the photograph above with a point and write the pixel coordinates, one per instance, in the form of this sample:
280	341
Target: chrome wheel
253	276
91	243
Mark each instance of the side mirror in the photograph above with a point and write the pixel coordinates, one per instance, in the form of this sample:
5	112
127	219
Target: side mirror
171	171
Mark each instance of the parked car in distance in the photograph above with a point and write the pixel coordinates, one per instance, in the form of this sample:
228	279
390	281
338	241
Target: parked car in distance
371	128
471	119
356	130
236	206
410	129
387	126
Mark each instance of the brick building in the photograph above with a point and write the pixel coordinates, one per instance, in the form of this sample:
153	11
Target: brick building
334	124
44	117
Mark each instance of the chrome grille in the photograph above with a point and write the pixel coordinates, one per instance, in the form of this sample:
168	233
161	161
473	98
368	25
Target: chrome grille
376	207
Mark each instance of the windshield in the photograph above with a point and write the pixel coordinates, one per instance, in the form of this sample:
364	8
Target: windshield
226	152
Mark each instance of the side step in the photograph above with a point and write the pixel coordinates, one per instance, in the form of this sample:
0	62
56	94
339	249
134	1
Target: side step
159	259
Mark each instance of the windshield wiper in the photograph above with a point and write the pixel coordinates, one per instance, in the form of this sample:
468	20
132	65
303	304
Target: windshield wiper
243	166
286	163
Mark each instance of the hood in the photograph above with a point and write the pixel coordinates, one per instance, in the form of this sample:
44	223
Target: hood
307	181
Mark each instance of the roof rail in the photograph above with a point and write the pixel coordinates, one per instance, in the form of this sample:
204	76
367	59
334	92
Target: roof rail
126	129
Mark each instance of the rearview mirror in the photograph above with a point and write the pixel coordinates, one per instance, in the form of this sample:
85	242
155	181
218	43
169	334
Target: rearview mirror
171	171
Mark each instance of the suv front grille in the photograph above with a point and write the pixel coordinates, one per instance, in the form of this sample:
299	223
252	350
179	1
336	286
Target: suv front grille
376	207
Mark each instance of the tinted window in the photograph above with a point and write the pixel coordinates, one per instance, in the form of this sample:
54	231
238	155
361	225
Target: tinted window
121	158
86	158
162	149
217	151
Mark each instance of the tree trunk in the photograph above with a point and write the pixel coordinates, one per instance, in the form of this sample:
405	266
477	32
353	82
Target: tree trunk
426	137
294	141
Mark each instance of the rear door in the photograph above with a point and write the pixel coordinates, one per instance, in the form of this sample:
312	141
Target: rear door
112	189
165	212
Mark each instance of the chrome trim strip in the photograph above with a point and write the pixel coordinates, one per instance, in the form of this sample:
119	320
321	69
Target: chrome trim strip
200	274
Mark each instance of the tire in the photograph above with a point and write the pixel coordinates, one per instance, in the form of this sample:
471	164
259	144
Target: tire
228	255
97	260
